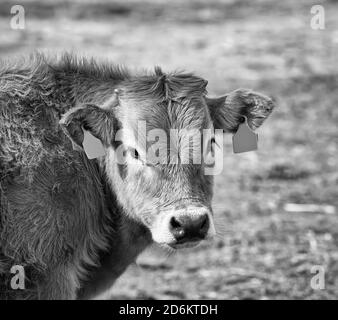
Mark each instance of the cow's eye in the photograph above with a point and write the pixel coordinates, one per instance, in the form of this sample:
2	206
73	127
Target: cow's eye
209	152
134	153
212	145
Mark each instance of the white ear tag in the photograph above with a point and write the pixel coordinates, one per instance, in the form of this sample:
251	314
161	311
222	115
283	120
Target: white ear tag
92	146
244	139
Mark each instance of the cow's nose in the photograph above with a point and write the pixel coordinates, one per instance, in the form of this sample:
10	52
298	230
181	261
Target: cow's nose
189	228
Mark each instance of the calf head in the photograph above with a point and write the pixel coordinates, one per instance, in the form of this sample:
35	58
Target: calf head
158	132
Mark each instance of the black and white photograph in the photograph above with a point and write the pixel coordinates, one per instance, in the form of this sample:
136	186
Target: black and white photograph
169	150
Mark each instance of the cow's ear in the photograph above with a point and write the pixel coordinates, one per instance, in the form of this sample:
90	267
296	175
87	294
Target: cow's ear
228	111
98	121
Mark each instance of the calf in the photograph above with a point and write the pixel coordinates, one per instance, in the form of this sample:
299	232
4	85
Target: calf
75	224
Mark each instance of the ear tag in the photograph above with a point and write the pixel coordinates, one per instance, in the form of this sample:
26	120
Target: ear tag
244	139
92	146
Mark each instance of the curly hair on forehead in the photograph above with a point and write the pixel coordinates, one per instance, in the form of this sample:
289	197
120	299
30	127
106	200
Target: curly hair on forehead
165	86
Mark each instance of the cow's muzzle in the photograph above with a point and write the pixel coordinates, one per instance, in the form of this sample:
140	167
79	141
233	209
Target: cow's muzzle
187	227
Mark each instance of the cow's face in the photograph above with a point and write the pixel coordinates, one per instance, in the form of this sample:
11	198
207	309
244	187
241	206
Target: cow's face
159	136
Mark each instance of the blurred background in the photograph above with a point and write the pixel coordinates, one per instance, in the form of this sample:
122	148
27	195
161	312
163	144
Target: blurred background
269	237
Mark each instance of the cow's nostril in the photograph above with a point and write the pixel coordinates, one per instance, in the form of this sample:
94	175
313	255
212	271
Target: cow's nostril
177	229
174	223
189	228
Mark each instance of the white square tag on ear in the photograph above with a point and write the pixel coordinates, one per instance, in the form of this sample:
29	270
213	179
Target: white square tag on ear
92	146
244	139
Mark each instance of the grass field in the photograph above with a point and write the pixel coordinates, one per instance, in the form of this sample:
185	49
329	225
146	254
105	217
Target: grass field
265	250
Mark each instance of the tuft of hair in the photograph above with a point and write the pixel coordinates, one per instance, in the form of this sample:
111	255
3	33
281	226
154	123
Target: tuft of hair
163	87
158	71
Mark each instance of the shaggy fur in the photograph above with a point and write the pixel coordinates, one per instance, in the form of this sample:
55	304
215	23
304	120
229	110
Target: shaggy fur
70	221
54	215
